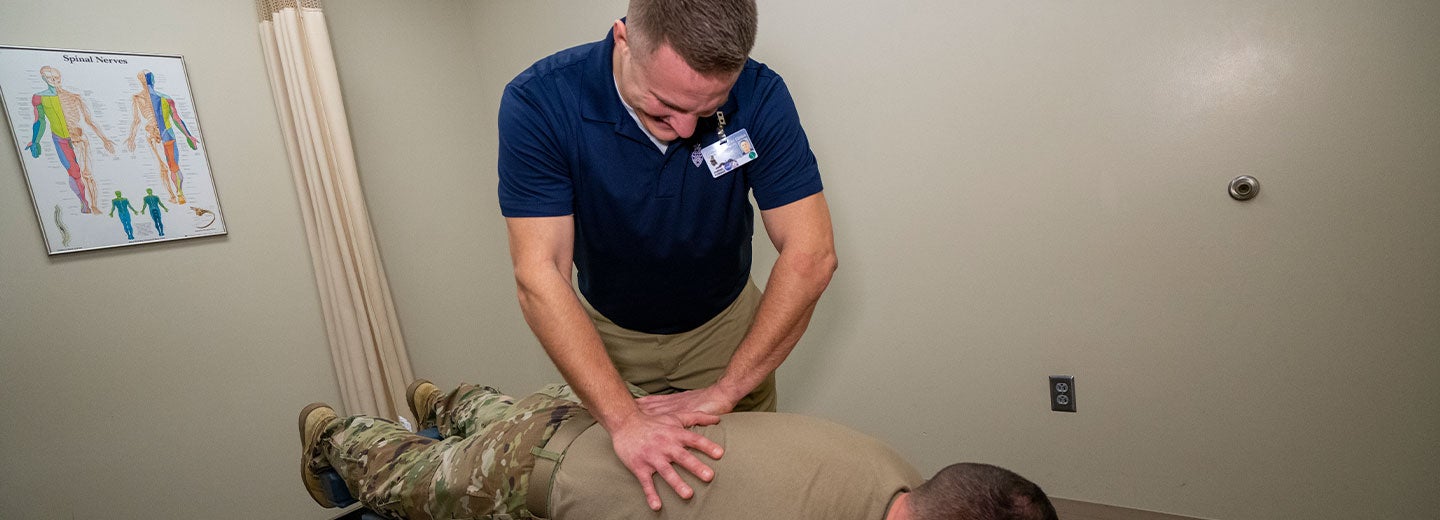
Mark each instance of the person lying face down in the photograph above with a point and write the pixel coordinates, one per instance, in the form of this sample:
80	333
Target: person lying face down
775	465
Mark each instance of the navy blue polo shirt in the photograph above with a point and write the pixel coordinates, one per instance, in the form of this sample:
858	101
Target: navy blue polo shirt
661	246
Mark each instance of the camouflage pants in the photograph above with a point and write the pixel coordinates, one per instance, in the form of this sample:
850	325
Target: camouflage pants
480	469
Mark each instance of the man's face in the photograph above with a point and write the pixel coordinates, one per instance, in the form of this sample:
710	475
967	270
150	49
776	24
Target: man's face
668	96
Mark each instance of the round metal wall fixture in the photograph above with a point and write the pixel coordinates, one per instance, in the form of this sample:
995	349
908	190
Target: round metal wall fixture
1244	187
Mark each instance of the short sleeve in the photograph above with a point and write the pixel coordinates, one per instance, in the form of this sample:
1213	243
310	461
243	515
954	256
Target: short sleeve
786	170
534	179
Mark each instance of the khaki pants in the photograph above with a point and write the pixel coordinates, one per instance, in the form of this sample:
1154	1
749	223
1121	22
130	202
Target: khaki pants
669	363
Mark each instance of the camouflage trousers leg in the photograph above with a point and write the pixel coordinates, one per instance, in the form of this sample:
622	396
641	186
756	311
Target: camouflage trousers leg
471	408
481	469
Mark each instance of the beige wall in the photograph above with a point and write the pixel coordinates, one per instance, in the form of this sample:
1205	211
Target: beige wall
1022	189
1019	189
162	381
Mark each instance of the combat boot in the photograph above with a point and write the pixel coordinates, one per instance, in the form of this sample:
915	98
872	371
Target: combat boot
422	395
314	419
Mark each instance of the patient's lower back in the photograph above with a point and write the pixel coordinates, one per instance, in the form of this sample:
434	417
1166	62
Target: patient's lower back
775	466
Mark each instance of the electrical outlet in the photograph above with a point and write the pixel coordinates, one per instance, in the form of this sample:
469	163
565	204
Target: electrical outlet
1062	393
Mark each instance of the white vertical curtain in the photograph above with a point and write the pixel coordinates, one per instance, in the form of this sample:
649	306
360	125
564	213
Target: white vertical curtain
369	354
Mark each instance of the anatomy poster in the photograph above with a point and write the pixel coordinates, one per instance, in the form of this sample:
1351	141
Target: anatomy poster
110	146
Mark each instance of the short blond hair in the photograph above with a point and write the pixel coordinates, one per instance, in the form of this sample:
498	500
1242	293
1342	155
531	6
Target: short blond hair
713	37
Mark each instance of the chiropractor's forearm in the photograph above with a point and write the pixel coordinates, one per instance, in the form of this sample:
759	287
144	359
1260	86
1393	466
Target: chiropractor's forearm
795	285
554	313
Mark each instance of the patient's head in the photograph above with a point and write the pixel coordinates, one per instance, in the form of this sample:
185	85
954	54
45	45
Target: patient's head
970	491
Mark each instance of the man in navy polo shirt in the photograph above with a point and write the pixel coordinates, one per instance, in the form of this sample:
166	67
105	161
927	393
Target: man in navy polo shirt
632	159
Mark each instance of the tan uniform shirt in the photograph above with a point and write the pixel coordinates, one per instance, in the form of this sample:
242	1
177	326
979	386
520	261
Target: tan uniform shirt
775	466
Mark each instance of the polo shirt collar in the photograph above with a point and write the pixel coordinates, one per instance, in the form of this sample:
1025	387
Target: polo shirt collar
601	101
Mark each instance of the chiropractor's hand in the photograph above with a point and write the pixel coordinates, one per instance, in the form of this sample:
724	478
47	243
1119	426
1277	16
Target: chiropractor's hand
708	400
647	444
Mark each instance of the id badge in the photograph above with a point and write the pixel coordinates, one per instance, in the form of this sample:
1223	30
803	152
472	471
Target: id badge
729	153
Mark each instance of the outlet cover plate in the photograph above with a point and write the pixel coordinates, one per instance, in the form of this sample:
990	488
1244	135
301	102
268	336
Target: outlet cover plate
1062	393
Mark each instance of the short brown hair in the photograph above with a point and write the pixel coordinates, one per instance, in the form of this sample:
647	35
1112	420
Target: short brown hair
980	492
712	36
